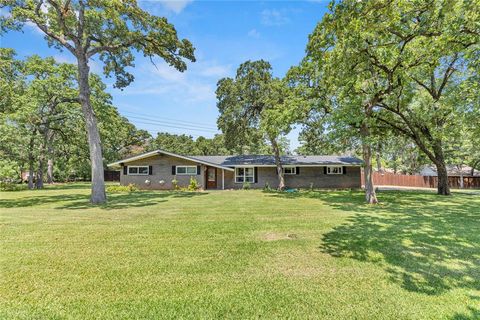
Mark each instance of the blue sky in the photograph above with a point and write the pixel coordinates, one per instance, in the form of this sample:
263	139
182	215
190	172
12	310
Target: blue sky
224	33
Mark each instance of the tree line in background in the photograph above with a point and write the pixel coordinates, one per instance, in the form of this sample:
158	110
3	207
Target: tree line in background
42	126
394	82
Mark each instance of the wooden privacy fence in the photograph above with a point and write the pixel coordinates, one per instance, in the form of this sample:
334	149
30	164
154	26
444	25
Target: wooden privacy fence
402	180
111	175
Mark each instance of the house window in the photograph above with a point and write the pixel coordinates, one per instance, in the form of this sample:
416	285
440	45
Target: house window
186	170
138	170
335	170
244	175
289	170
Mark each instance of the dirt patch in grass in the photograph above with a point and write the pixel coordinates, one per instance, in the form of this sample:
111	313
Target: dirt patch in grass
275	236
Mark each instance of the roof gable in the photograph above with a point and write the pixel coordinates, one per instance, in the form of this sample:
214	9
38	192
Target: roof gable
159	151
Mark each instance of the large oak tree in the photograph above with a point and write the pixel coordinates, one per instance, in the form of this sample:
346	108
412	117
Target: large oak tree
401	60
109	30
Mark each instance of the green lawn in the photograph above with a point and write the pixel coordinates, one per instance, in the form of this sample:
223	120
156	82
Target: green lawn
239	254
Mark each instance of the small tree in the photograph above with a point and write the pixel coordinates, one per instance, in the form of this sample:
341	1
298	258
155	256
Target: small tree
253	107
109	29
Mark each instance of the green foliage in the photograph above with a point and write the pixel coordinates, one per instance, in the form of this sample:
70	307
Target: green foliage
193	184
119	189
43	120
186	145
8	170
9	176
254	108
211	147
396	66
110	29
12	186
246	185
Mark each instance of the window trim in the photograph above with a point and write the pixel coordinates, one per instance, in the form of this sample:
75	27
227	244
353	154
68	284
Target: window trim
340	171
186	171
293	172
138	171
246	167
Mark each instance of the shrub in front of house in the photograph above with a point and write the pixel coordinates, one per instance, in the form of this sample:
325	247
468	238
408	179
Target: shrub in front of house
267	187
175	184
246	186
118	189
193	185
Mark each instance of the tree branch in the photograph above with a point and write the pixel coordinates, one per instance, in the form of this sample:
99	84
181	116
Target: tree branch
45	30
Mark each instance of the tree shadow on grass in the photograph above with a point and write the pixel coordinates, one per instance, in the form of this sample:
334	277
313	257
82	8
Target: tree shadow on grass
473	313
427	243
115	201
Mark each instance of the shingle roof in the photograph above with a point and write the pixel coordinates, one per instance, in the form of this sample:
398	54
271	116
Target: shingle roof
286	160
227	162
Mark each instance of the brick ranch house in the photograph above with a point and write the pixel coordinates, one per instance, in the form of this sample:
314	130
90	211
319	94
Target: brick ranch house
157	169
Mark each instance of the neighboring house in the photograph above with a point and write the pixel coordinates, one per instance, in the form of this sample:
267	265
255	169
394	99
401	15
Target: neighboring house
157	169
452	171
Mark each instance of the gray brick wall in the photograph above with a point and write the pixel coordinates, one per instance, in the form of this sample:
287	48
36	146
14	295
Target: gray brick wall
307	176
162	170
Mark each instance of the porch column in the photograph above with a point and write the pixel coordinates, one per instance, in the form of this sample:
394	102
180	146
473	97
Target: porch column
223	179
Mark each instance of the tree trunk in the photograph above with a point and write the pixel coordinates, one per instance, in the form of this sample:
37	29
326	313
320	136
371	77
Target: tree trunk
442	187
49	140
460	168
370	194
379	163
474	164
41	165
98	195
378	158
30	163
394	158
278	163
39	178
30	174
50	171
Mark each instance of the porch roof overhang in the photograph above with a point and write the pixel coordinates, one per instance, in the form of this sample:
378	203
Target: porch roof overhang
159	151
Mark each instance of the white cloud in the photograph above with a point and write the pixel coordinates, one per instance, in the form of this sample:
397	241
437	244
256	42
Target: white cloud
254	33
175	6
215	71
273	17
61	58
211	69
194	86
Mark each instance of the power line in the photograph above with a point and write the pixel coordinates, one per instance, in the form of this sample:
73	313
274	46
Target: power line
176	127
162	122
168	119
163	130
